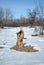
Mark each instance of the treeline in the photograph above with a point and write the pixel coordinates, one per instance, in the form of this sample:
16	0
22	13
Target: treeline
35	17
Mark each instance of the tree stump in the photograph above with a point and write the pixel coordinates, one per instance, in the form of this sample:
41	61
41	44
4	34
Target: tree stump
20	36
20	46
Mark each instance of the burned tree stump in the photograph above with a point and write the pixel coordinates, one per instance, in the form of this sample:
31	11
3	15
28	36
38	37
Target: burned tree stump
20	36
20	46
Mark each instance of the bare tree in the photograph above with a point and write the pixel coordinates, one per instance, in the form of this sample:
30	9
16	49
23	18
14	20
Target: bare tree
32	16
1	17
41	16
8	16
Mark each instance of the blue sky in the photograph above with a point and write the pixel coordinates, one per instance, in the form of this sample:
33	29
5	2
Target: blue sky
19	7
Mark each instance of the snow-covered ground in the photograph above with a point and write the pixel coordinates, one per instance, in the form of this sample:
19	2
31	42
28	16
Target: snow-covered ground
8	38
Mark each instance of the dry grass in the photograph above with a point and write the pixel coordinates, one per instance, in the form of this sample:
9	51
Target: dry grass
25	48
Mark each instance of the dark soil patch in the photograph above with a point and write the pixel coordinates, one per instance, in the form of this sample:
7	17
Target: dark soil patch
37	35
1	47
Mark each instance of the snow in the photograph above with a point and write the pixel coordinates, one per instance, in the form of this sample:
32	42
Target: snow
8	37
